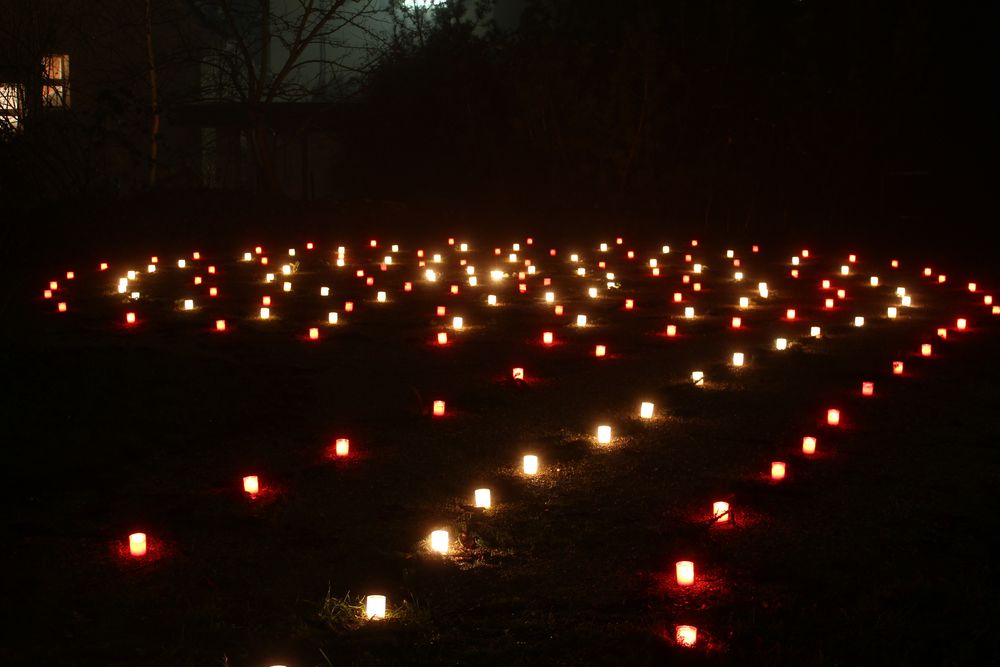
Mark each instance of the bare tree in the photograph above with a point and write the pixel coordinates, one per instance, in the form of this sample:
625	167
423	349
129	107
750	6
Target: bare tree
269	52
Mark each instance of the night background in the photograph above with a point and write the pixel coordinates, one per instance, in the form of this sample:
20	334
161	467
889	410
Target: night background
208	144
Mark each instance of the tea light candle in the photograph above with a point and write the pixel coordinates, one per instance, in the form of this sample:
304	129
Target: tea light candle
720	511
790	314
780	343
961	324
438	408
442	338
265	313
483	499
828	303
529	465
689	312
220	325
600	351
646	410
547	338
581	320
808	445
457	323
942	333
375	607
671	330
558	310
777	470
744	302
833	417
925	350
439	541
686	635
380	297
897	368
251	485
603	435
332	318
859	321
629	304
130	318
737	359
737	322
698	378
891	312
685	572
342	447
867	388
188	304
313	333
137	544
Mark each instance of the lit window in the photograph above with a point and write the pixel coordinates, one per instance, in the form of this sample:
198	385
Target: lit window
11	97
55	81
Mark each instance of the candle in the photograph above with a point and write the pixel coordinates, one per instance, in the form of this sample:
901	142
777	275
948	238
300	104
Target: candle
897	368
442	338
529	465
600	351
867	388
251	485
313	333
833	417
671	330
457	323
439	541
720	511
483	499
744	302
220	325
737	322
517	373
581	320
130	318
380	297
686	635
780	343
859	321
685	572
438	408
265	313
777	470
815	332
603	435
790	314
547	338
808	445
737	359
961	324
698	377
137	544
646	410
925	350
342	447
375	607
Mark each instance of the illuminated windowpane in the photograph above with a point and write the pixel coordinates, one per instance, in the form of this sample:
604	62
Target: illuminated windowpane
55	80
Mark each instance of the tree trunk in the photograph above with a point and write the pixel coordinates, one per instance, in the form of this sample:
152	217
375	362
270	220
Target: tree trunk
154	98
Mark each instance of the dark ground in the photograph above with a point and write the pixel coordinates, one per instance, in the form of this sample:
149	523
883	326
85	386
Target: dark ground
880	551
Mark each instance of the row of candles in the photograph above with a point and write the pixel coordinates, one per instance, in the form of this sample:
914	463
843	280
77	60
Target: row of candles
439	540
